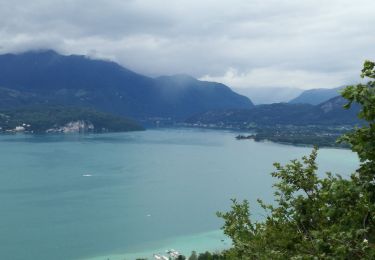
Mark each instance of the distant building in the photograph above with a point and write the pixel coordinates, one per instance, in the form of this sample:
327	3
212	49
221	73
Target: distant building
19	129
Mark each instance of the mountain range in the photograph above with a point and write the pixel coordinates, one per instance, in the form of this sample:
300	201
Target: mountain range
328	113
45	77
316	96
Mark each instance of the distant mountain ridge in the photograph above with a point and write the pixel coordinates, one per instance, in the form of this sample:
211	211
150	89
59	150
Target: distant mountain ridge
48	78
329	113
316	96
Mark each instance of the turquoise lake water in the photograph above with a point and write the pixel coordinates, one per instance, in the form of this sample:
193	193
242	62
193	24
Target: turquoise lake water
125	195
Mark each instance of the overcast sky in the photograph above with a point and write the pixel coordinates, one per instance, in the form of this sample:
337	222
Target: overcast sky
242	43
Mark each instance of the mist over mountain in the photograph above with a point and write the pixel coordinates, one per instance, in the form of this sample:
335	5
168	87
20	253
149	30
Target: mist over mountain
316	96
48	78
269	95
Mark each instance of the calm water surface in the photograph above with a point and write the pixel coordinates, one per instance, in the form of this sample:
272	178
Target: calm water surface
98	196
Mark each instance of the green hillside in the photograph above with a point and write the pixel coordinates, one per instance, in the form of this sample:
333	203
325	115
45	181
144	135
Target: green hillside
63	119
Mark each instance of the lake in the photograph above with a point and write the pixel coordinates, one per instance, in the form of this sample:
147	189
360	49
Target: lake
126	195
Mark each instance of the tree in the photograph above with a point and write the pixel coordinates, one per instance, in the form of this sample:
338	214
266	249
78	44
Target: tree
193	256
316	218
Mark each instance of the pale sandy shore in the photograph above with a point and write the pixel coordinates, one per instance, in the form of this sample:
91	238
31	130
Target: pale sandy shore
208	241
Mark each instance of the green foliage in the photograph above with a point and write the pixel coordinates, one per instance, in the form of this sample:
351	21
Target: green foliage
312	217
207	256
303	135
362	140
193	256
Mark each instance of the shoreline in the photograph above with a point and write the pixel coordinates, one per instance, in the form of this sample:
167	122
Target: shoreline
212	241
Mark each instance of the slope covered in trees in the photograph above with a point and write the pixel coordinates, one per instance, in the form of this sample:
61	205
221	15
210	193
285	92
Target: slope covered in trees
42	119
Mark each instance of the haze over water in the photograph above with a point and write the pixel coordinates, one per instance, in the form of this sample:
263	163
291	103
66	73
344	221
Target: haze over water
86	196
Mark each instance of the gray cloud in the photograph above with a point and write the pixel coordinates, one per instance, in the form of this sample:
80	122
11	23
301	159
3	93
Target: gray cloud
243	43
